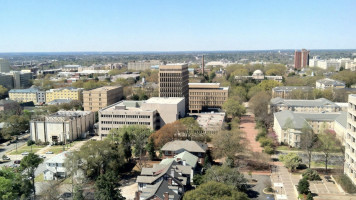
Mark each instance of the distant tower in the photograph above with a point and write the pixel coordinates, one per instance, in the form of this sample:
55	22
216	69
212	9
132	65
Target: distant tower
4	65
202	65
301	59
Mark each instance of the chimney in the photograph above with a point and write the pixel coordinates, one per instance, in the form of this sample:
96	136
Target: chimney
166	196
202	65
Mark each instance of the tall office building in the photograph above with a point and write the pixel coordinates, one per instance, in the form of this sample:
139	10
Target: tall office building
4	65
173	81
301	58
350	140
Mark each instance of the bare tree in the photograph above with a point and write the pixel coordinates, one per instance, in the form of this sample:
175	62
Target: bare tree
307	141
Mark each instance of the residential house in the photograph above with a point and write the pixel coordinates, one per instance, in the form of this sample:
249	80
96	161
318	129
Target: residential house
176	147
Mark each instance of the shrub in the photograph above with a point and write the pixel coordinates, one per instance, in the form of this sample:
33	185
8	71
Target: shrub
310	196
30	142
303	186
262	133
265	141
346	183
269	149
311	175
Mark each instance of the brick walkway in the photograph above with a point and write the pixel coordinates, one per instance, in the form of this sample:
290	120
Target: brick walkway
281	175
247	125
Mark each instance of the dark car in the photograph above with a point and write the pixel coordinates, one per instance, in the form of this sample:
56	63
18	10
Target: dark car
17	161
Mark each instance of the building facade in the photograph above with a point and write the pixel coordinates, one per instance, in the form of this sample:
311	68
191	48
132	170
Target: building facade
65	93
21	79
154	113
63	126
4	66
301	59
258	76
329	83
27	95
96	99
173	81
287	92
6	80
142	65
203	96
350	140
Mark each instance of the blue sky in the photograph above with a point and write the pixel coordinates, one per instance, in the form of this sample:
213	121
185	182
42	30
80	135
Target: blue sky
167	25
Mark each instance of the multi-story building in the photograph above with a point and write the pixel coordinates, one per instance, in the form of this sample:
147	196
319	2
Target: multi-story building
329	83
350	140
4	66
27	95
154	113
143	65
63	126
173	81
21	79
6	80
301	59
64	93
258	76
297	105
203	96
70	68
96	99
286	92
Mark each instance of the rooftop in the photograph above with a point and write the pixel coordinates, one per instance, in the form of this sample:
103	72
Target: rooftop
28	90
164	100
210	121
289	88
322	102
190	146
328	81
70	113
60	158
105	88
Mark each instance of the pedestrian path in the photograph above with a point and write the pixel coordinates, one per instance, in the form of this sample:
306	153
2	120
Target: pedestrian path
283	182
247	125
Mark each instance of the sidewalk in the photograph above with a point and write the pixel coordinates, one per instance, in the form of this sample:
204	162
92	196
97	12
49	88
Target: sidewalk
247	125
280	175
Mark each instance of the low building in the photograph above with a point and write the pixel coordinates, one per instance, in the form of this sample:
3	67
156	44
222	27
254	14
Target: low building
171	149
258	76
287	92
296	105
125	76
55	168
288	125
154	113
205	96
59	101
62	126
70	68
27	95
143	65
65	93
186	159
329	83
96	99
210	122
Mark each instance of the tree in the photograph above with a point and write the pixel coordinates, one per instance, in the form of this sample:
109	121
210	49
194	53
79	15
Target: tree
267	85
227	175
307	141
3	92
167	133
13	184
310	196
15	125
228	144
191	127
259	105
234	107
303	186
28	165
290	161
328	144
107	187
150	148
214	191
126	146
78	193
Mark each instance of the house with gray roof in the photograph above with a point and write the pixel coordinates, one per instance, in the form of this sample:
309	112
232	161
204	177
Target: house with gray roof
288	125
186	159
199	149
301	105
161	190
329	83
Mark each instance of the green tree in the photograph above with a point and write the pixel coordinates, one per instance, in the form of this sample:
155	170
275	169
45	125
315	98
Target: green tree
290	160
234	108
125	144
107	187
267	85
3	92
78	193
191	126
28	165
328	143
13	184
303	186
228	144
15	125
259	105
228	175
215	191
150	148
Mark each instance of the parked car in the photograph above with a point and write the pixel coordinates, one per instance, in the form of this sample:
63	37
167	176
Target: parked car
4	157
17	161
49	152
42	156
25	153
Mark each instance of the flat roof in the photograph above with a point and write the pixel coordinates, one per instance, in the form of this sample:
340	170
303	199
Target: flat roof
105	88
210	121
164	100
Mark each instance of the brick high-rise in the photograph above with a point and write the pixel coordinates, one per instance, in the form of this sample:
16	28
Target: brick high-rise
173	81
301	59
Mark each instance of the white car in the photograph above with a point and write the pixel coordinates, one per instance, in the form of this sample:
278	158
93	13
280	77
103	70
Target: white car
25	153
49	152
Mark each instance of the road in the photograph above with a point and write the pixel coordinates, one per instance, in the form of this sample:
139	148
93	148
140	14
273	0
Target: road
4	148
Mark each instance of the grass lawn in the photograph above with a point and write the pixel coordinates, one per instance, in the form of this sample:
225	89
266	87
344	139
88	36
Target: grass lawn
322	165
39	178
59	148
26	148
286	148
68	180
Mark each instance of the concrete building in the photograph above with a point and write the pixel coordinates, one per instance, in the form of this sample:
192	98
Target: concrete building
329	83
205	96
4	66
288	125
62	126
297	105
173	81
6	80
287	92
125	76
70	68
27	95
96	99
258	76
350	140
143	65
154	113
301	59
21	79
65	93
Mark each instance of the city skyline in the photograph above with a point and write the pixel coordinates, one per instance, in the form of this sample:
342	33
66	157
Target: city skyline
155	26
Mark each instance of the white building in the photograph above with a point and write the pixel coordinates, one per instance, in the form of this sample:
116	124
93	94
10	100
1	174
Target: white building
350	140
55	167
329	83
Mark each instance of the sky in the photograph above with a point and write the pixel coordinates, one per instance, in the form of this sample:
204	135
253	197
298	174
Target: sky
168	25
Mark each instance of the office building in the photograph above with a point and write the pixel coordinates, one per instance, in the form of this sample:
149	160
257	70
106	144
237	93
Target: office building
205	96
27	95
173	81
4	66
329	83
153	113
287	92
143	65
6	80
65	93
21	79
301	59
62	126
96	99
350	140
